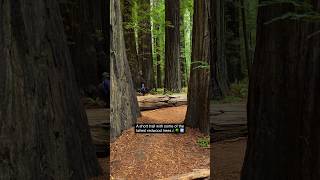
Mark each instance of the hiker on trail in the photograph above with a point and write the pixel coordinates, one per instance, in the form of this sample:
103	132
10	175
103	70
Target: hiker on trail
106	88
143	90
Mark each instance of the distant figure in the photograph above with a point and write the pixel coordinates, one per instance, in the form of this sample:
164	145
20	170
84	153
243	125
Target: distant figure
143	90
106	88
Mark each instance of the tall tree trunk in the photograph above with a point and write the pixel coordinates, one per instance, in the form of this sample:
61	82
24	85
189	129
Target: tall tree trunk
130	42
198	89
78	22
245	37
158	59
159	72
44	129
283	105
101	20
172	78
220	81
87	41
233	56
182	48
145	43
124	104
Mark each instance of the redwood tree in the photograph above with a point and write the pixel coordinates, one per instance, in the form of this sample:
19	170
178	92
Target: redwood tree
283	104
220	80
198	89
172	76
85	26
145	43
124	104
130	42
43	126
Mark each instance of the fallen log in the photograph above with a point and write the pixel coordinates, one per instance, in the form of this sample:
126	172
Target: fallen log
195	174
228	121
99	123
161	101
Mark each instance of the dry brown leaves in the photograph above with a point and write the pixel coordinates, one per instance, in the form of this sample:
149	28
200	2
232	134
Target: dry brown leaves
154	156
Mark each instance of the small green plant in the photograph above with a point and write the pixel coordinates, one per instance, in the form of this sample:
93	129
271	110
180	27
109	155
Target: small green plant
184	90
156	91
238	93
204	141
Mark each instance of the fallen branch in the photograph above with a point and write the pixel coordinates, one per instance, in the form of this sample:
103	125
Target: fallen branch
196	174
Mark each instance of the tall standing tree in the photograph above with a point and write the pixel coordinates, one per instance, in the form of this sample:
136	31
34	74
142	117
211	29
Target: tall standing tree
172	80
198	89
158	58
43	126
130	41
124	104
86	33
283	104
245	37
145	43
220	78
233	55
182	48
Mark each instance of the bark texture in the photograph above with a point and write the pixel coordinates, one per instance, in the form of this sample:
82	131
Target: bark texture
43	126
233	56
182	48
124	104
283	105
130	42
245	38
86	33
145	43
172	79
220	78
198	89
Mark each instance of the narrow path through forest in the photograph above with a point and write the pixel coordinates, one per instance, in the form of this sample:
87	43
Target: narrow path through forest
154	156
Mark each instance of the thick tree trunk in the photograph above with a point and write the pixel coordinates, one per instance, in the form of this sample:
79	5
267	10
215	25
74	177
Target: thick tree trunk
245	38
124	104
145	43
78	23
101	20
44	129
198	89
182	54
233	56
159	72
87	41
220	76
283	105
172	80
158	59
130	42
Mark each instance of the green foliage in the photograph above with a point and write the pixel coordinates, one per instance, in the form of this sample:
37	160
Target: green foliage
157	91
158	32
200	65
238	92
239	89
311	16
184	90
204	141
302	10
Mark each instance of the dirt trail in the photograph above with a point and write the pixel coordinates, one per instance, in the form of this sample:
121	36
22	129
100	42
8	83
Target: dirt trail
153	156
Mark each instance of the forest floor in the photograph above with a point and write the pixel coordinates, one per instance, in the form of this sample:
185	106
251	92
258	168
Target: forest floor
227	158
152	156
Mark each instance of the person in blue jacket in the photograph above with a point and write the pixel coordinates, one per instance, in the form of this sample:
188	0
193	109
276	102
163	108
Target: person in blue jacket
106	88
